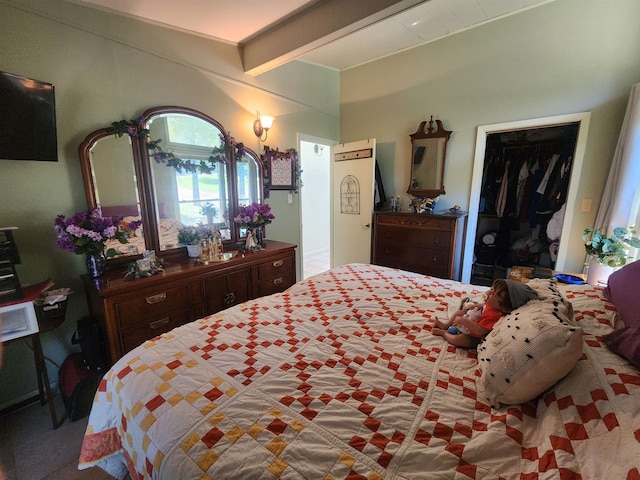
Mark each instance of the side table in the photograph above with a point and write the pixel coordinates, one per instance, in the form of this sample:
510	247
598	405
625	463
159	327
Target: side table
45	394
44	386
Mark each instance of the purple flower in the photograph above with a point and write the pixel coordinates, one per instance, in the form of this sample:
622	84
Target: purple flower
87	231
254	215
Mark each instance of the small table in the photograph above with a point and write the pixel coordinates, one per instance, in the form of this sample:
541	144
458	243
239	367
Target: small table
44	386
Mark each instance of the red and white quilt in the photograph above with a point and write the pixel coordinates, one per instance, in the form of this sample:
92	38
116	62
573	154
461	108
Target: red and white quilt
339	377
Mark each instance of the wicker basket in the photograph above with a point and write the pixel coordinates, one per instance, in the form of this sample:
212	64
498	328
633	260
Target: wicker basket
48	312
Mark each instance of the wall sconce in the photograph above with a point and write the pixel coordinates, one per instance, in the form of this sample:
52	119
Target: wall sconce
262	126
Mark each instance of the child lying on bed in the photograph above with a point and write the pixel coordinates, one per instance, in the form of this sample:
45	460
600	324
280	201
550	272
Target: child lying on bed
468	326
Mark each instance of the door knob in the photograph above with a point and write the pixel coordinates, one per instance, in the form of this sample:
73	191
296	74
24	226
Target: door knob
367	225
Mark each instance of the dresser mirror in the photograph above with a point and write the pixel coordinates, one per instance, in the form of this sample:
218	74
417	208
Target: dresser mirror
172	167
428	154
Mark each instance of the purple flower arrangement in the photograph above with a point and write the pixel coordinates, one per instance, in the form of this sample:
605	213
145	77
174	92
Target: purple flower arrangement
254	215
87	231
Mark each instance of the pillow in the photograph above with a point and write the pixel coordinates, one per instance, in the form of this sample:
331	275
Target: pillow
531	348
626	343
120	211
621	290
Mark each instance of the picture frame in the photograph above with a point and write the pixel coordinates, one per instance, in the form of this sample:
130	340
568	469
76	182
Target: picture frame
281	169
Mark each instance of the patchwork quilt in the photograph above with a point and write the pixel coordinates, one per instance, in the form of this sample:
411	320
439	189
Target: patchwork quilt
340	377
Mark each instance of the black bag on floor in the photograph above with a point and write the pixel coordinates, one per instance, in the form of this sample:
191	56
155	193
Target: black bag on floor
78	386
89	336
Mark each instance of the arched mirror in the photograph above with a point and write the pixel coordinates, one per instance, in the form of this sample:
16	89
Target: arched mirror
428	154
114	183
192	185
182	169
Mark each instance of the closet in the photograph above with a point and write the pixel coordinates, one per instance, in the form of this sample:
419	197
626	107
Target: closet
525	180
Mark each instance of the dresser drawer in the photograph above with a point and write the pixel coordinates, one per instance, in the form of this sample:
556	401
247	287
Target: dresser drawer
134	335
427	222
155	302
433	263
275	268
276	284
414	237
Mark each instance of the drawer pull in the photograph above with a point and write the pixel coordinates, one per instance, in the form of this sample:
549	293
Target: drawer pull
435	259
278	263
436	241
278	281
229	298
161	297
159	323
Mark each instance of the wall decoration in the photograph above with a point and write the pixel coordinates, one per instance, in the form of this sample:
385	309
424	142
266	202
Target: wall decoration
282	170
350	195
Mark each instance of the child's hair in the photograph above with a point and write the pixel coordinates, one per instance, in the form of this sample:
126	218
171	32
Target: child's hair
501	291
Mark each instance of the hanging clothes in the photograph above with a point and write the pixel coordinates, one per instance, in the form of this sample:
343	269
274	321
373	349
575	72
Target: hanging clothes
501	202
545	180
380	196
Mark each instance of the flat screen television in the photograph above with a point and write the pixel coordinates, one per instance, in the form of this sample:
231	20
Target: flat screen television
27	119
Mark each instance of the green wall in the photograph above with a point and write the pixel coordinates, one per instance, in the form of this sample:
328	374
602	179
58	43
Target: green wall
106	68
563	57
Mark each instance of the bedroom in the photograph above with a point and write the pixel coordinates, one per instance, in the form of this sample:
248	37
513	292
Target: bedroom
474	78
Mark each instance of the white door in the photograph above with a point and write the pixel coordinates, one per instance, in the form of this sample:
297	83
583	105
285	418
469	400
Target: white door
352	190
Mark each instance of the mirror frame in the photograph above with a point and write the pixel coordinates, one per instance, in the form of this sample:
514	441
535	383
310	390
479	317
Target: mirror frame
143	170
84	152
421	134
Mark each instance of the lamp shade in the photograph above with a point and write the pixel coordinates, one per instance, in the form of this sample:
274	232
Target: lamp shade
266	121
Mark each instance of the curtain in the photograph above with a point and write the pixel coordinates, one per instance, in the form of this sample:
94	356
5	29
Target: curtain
619	198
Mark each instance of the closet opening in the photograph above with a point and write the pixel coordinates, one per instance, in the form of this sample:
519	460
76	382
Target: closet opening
523	196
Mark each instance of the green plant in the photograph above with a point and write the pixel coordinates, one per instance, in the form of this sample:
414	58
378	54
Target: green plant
610	251
207	208
193	235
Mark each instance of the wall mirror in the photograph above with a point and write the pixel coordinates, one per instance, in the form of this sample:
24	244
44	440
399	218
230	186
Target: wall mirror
428	154
172	167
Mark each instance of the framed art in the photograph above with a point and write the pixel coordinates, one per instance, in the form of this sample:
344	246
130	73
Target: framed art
281	169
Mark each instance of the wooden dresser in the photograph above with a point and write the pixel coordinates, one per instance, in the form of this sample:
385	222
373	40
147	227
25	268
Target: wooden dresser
132	311
427	244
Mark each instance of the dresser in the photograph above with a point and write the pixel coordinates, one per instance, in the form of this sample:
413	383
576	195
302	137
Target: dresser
427	244
133	311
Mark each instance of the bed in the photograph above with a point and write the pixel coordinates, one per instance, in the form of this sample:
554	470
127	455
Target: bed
339	377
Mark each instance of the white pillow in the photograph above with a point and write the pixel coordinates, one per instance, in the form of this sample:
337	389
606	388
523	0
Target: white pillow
530	349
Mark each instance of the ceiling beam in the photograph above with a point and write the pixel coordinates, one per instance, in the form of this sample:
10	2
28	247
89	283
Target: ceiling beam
321	23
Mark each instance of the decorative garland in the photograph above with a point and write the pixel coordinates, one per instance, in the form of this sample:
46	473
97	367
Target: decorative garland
220	154
135	129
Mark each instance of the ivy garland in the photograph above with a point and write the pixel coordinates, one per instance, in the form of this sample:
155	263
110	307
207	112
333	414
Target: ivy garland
220	154
135	129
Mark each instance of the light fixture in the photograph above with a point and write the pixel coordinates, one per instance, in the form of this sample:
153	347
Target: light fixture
261	126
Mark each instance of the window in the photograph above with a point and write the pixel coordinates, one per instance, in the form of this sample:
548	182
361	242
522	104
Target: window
195	189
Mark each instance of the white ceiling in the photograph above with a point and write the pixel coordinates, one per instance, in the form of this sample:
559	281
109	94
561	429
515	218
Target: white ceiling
235	21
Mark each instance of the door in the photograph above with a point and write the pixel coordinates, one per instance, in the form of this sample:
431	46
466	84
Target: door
352	190
315	204
582	119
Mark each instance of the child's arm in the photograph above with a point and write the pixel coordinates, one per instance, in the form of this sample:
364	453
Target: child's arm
469	321
469	306
474	328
